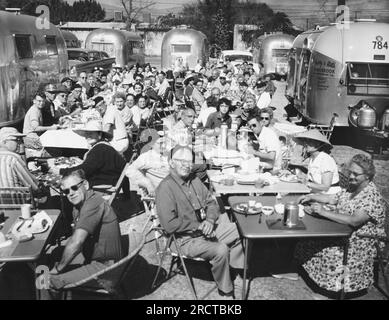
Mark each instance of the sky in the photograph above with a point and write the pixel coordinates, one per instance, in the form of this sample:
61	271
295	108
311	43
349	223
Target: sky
316	11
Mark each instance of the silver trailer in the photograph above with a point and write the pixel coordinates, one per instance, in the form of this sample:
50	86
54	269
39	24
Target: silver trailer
125	46
188	44
272	52
342	70
29	58
70	39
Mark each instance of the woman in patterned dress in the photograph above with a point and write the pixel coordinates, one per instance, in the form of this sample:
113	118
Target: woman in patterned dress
361	207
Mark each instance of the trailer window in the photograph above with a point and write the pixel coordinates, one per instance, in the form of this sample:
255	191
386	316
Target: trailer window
137	47
51	44
280	53
23	46
181	48
107	47
368	79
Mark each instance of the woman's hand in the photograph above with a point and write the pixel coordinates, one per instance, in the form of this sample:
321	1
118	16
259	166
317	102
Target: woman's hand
305	198
317	208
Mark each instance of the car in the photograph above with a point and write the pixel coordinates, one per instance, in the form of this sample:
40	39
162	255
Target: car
84	60
237	57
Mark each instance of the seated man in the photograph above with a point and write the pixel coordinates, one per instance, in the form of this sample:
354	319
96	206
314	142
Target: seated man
186	208
96	234
181	133
269	150
150	168
114	124
14	172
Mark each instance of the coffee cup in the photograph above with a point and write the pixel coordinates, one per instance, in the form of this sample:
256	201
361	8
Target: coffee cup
26	211
252	203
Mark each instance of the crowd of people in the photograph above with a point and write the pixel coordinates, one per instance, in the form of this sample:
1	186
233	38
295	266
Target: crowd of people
115	108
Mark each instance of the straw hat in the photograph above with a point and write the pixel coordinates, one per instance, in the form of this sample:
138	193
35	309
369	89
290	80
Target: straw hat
189	78
94	126
312	134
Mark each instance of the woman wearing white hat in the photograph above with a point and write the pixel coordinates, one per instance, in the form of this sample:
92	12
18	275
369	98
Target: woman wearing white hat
323	175
102	164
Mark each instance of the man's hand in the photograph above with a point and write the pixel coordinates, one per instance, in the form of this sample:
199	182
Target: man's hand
206	228
54	127
54	271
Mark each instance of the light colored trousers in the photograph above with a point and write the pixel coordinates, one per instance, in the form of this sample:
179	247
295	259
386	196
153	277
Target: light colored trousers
224	251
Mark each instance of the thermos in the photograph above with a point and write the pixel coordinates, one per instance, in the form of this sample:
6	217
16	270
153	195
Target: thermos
223	135
291	214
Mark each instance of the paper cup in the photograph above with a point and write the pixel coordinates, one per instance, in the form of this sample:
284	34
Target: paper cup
26	211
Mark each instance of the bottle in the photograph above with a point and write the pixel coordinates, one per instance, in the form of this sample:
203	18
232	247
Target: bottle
279	206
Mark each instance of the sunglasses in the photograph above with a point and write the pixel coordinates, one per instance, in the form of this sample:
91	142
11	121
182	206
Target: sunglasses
265	118
253	125
74	188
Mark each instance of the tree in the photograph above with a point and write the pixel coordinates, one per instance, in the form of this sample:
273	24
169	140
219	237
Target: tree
222	32
216	19
60	10
132	10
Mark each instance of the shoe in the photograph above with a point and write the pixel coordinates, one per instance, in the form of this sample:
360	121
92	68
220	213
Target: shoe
238	283
226	295
290	276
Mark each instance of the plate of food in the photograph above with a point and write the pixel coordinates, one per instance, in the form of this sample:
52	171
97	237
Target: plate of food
246	208
291	178
30	226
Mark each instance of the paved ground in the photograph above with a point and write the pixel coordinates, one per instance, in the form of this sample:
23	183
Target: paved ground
262	287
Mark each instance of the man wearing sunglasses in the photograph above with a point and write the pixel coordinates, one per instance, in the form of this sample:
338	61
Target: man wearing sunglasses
95	243
186	208
269	150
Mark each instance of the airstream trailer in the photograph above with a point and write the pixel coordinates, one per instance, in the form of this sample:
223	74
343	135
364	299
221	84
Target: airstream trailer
29	57
343	71
273	53
188	44
125	46
71	40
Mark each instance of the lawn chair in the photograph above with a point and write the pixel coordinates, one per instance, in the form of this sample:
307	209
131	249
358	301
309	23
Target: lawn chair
109	282
111	192
325	130
178	258
14	198
382	258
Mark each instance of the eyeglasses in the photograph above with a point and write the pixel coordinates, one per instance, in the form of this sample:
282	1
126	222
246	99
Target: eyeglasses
74	188
253	125
265	118
355	174
183	162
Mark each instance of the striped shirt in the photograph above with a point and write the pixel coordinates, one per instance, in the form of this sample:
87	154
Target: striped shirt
14	172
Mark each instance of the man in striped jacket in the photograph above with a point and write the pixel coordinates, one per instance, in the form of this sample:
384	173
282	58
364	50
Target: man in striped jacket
13	170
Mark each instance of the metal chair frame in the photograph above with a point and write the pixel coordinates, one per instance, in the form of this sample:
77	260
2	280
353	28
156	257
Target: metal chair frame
14	198
178	258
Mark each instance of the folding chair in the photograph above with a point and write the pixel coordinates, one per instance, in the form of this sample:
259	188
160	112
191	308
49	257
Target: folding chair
382	258
178	258
111	192
326	130
14	198
109	281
